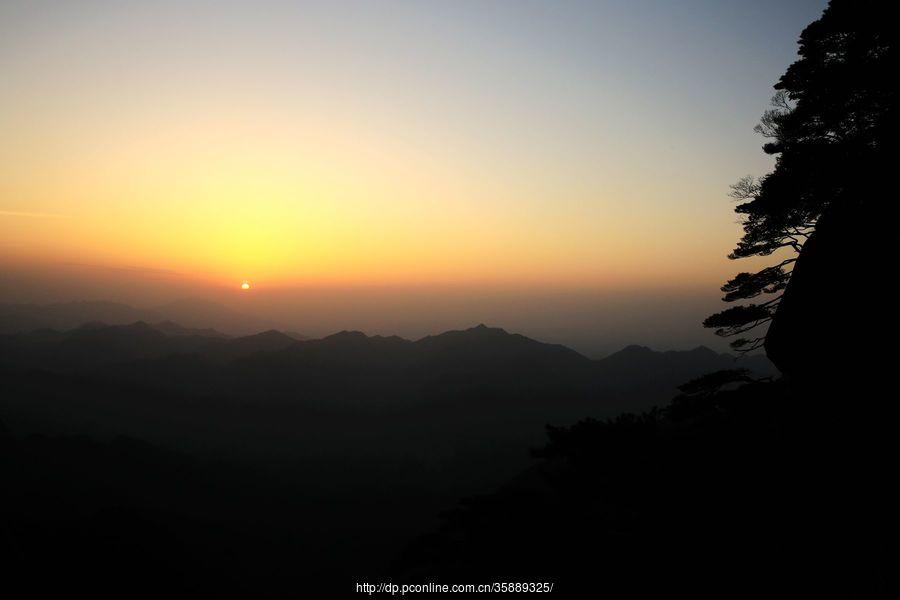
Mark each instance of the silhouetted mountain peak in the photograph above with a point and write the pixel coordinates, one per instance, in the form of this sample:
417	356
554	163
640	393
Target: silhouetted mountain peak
271	335
483	344
704	351
389	338
346	335
635	350
482	329
479	330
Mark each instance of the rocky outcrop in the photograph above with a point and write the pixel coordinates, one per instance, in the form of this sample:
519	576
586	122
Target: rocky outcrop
827	323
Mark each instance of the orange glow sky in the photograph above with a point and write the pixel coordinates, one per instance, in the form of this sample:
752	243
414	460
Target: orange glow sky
545	145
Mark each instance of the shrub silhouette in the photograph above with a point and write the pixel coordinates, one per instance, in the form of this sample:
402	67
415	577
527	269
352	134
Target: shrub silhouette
758	488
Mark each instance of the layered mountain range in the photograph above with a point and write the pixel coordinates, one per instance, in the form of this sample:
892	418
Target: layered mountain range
331	451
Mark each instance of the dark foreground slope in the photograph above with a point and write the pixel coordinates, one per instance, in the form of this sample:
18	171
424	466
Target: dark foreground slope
270	465
771	489
720	494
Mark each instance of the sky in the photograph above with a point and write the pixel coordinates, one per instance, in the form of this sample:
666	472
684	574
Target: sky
420	164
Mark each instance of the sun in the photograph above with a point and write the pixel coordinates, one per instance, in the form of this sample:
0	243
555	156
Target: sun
245	285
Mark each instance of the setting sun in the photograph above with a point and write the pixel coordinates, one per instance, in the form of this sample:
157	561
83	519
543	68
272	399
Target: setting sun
245	286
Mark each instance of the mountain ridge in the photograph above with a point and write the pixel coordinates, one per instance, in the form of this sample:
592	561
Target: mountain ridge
190	313
479	338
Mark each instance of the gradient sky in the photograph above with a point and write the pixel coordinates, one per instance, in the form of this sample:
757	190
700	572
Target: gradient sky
538	145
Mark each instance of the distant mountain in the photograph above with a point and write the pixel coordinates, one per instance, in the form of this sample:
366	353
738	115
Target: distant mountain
633	361
18	318
378	363
281	365
173	328
94	345
189	316
487	345
265	342
196	312
637	372
353	349
481	374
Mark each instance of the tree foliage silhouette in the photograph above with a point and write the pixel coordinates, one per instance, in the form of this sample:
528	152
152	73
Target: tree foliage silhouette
831	127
